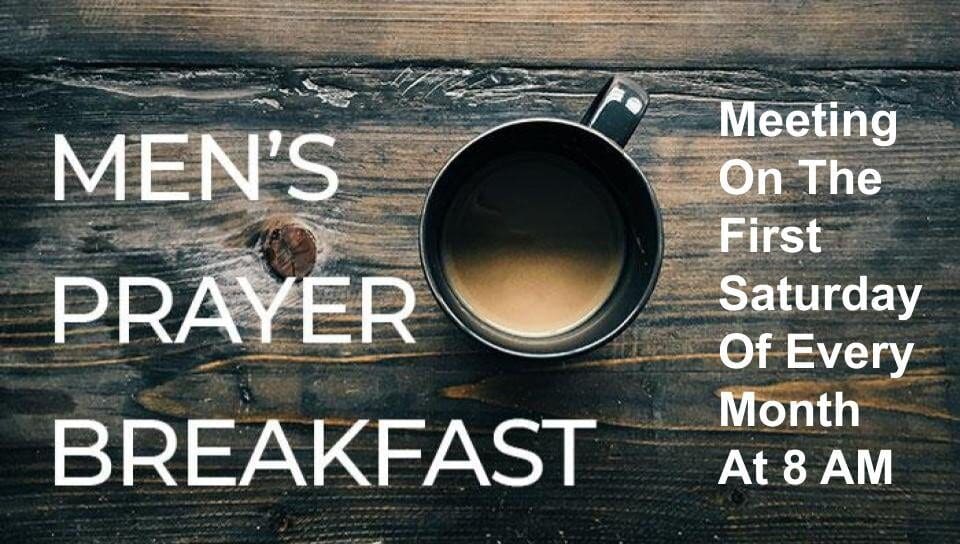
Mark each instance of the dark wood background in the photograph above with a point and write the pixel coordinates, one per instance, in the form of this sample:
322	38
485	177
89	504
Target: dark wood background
402	86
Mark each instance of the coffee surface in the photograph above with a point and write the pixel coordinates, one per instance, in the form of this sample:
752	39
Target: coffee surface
533	244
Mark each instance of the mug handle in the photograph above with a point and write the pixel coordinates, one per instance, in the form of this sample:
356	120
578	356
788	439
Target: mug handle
617	109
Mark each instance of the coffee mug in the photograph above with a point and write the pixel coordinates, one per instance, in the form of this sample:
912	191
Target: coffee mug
541	237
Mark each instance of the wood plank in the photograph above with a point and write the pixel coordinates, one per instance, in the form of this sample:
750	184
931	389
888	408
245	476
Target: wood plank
647	473
701	34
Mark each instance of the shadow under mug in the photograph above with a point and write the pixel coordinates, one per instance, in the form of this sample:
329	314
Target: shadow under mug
596	144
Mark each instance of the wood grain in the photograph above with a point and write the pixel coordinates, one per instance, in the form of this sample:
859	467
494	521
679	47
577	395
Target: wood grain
648	473
699	34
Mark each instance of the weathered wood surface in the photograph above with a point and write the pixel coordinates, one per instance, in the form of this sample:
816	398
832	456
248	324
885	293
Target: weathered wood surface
649	472
436	75
701	33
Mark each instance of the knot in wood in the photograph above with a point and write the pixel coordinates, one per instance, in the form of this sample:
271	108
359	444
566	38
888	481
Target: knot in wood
290	250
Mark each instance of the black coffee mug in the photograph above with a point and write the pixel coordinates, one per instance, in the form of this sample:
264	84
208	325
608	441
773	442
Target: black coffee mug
596	144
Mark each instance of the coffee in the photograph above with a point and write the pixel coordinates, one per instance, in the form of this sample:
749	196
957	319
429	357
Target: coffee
533	244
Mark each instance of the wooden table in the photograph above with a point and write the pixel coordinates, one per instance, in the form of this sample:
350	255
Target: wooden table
401	86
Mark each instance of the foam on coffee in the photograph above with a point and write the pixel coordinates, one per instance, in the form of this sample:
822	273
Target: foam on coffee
533	244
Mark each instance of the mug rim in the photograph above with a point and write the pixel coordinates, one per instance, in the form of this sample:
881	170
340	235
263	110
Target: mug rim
637	306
